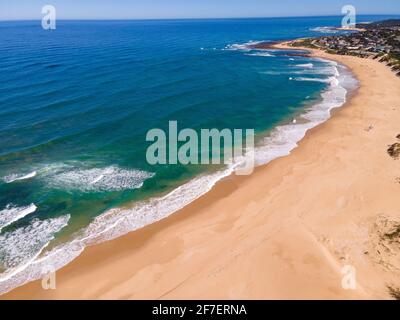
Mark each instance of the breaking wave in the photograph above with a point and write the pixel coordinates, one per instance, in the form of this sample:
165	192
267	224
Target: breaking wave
16	177
98	179
12	214
247	46
283	139
19	248
260	54
325	29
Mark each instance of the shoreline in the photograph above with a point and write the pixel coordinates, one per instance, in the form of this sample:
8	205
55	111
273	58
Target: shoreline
120	221
174	250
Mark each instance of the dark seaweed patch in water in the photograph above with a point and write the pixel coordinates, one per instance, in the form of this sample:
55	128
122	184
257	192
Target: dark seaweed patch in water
52	66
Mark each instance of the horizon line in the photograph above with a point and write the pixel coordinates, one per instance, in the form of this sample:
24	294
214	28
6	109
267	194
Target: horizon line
198	18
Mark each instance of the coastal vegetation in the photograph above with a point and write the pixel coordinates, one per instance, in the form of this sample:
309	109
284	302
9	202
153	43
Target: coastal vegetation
394	292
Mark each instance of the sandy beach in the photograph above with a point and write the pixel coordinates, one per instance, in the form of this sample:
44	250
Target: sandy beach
288	231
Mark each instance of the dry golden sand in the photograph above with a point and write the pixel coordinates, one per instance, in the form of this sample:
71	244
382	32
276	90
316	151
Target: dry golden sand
284	232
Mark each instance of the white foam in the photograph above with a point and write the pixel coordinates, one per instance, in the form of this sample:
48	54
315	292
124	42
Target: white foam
15	177
116	222
327	71
97	179
113	224
312	79
260	54
274	73
331	71
283	139
110	178
247	46
325	29
12	214
21	247
305	65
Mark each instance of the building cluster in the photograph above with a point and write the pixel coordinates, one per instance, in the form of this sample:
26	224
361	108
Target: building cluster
377	41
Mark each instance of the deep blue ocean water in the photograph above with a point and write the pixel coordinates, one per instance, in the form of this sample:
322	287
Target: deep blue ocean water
77	102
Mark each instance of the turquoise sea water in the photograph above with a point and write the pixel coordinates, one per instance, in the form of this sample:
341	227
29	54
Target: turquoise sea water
77	102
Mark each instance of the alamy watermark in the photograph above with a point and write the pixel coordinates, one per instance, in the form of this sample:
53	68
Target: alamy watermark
49	18
49	278
349	20
210	146
349	281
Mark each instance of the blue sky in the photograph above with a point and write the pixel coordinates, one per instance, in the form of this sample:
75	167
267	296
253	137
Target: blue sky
155	9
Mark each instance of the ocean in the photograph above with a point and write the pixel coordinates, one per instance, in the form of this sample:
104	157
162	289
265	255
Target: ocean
77	102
